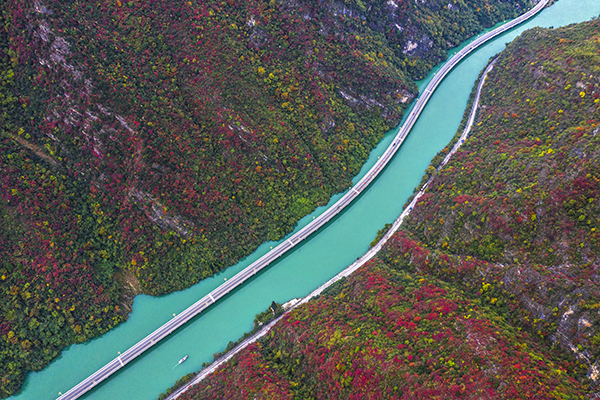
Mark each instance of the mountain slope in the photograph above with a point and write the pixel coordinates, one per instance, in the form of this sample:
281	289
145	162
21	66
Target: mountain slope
147	145
522	194
388	334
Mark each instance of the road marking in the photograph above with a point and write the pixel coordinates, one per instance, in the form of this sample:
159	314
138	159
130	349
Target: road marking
290	242
119	358
355	191
212	298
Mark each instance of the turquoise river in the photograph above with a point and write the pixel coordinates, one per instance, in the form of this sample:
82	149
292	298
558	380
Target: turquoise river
323	255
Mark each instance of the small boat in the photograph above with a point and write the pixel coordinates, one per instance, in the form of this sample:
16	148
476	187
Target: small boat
182	360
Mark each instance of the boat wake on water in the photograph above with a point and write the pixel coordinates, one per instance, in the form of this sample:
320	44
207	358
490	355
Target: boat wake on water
181	361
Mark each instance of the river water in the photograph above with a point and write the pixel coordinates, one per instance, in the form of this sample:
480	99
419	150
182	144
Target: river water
322	256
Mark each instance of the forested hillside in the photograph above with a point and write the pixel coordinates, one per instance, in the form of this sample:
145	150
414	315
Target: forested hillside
519	204
391	334
148	144
491	287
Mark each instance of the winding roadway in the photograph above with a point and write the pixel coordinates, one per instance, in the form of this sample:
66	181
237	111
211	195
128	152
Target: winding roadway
205	302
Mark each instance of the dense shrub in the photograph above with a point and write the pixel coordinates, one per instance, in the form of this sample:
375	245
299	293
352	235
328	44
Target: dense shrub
389	334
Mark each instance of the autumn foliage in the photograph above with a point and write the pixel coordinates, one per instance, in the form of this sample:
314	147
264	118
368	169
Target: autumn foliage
388	334
146	144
